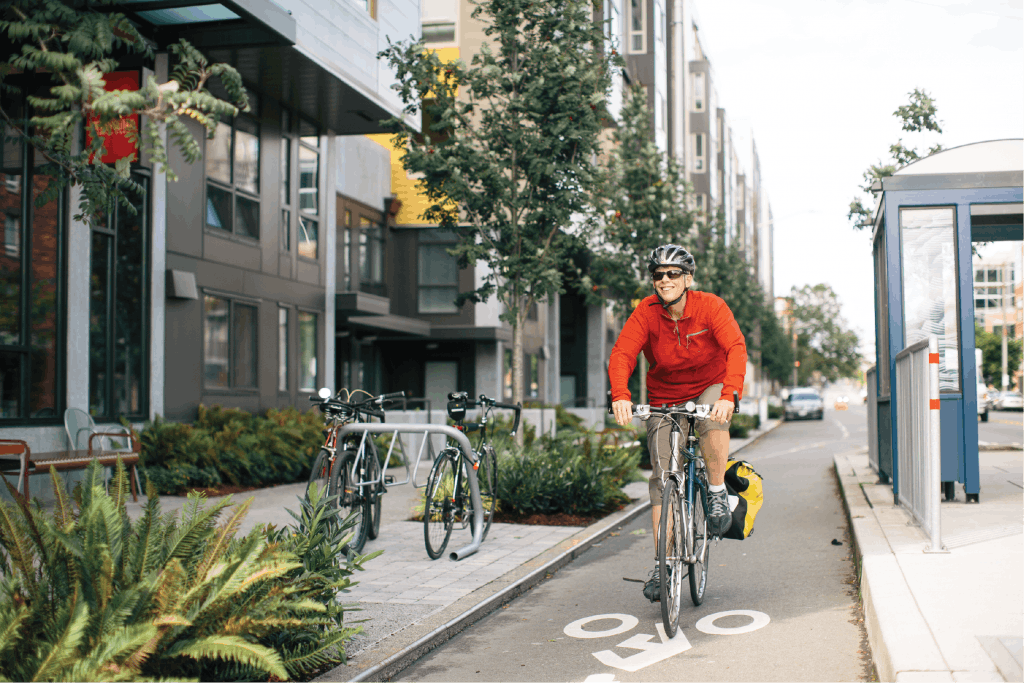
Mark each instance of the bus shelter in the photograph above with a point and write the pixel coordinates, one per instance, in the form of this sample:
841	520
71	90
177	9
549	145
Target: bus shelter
928	215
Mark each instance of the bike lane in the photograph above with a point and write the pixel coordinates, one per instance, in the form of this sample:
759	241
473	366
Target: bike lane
779	605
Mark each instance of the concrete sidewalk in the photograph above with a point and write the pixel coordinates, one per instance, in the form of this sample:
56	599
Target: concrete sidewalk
953	616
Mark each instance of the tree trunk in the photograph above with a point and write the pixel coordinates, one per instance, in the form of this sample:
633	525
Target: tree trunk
517	363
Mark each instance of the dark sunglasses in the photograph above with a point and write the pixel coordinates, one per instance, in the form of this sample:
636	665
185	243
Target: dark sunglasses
672	275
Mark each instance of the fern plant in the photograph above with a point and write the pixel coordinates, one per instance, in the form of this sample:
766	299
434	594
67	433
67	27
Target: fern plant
86	593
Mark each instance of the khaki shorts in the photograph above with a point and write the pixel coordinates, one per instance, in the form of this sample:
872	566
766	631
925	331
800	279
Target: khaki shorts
659	430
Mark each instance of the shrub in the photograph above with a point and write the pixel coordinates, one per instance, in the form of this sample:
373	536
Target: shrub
230	446
573	474
742	424
775	412
88	594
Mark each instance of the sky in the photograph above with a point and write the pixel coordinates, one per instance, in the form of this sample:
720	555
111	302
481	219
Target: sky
815	83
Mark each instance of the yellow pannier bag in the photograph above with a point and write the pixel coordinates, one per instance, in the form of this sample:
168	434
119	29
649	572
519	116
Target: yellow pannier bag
746	494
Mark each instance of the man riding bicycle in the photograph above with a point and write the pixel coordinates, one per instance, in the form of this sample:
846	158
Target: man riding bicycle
696	352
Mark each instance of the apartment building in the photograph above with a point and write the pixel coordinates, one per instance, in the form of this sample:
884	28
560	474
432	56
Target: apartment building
225	286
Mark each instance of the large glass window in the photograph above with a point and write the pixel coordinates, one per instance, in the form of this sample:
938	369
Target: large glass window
699	95
31	283
232	161
930	293
309	191
371	255
307	351
229	344
282	349
637	26
438	273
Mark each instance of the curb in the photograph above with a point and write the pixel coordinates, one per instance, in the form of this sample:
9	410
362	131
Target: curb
1000	447
778	423
579	543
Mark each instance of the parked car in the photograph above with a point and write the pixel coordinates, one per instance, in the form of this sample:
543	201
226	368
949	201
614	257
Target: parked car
984	402
1010	400
804	404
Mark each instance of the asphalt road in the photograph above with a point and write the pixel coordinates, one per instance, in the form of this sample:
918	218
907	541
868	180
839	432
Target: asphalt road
801	620
1003	426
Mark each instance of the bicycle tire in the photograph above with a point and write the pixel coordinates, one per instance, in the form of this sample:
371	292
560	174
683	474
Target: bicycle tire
320	473
346	477
438	505
701	540
487	479
670	555
376	491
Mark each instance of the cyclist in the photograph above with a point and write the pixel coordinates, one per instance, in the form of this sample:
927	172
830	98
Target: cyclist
696	352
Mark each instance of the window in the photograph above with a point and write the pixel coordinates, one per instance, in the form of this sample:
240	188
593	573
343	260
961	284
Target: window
702	203
506	373
346	250
699	152
439	32
118	296
719	137
307	351
31	284
309	191
369	6
229	344
438	273
232	176
533	370
697	81
637	26
371	256
282	349
286	182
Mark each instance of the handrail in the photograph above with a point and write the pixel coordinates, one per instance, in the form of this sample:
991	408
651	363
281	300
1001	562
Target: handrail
467	449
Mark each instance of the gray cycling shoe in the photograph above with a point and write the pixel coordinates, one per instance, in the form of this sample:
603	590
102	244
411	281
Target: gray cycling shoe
652	588
719	514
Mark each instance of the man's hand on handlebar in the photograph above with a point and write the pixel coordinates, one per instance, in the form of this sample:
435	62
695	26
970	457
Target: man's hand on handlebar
722	410
623	411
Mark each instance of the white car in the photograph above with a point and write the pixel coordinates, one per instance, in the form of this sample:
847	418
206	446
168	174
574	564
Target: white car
984	402
1011	400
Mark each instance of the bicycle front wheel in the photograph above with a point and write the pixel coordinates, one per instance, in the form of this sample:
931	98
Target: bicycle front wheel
701	542
439	504
354	506
670	555
487	478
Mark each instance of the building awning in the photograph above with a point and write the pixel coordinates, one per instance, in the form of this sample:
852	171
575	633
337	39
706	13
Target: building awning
471	333
361	303
412	327
212	23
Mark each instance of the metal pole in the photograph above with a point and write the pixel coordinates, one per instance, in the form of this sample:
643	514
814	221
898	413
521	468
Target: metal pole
934	483
1005	271
467	449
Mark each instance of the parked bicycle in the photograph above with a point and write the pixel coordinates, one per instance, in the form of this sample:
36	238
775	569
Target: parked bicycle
351	471
447	499
684	536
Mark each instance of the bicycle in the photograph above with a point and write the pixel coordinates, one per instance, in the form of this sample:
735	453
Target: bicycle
447	498
684	530
351	472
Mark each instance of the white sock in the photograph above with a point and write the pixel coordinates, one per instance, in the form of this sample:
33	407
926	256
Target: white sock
716	488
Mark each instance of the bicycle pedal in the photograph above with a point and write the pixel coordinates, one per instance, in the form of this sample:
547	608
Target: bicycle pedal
389	479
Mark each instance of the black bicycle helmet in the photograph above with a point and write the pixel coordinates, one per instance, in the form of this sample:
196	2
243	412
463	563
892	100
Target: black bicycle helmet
671	255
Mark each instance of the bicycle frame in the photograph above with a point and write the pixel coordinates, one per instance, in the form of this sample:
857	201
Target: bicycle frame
688	476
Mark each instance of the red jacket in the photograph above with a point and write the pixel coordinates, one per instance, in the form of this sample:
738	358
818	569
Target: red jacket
687	356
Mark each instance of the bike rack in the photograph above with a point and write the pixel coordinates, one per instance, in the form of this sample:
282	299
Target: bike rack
467	449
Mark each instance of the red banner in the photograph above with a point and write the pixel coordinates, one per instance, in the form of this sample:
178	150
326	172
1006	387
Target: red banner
117	134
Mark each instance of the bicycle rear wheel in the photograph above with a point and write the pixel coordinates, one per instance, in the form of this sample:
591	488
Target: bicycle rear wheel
670	555
701	544
345	478
487	478
375	491
439	504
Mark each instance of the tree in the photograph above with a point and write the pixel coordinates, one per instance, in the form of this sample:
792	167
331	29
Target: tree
826	348
919	115
776	350
71	47
507	159
991	346
642	204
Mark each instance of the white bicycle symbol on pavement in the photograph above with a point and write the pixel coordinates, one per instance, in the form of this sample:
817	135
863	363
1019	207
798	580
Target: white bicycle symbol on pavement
654	652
